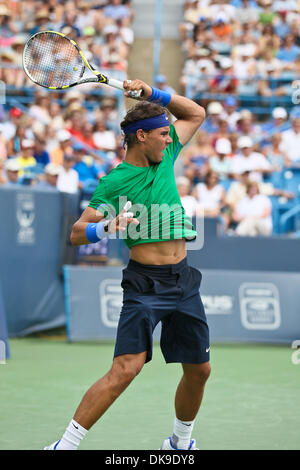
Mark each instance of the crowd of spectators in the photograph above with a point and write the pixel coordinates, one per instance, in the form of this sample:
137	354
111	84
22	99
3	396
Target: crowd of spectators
240	156
228	171
244	47
58	140
226	161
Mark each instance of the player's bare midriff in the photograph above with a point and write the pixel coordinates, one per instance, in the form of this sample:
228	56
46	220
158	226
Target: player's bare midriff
158	253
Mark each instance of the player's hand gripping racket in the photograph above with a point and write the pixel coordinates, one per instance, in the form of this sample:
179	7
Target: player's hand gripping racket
54	61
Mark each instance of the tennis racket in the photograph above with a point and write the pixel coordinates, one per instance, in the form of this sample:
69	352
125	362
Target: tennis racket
54	61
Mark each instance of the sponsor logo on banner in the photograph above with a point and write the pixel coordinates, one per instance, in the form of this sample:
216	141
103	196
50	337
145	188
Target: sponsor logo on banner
25	217
111	299
260	306
218	304
296	354
2	352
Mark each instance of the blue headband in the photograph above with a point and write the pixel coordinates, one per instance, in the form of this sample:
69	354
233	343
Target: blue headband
147	124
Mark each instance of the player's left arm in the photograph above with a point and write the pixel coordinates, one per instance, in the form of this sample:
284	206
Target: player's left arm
189	115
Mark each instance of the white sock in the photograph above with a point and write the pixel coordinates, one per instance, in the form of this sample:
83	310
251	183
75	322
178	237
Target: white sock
182	433
72	437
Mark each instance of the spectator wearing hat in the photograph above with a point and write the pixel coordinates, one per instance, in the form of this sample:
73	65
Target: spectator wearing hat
161	84
64	147
223	10
291	140
244	65
189	202
85	165
210	195
225	81
270	85
10	125
282	26
8	27
113	44
253	213
50	176
197	71
26	159
277	124
68	179
124	31
196	157
8	74
230	107
247	126
221	162
17	47
221	28
246	12
223	130
249	160
193	11
13	170
215	112
42	21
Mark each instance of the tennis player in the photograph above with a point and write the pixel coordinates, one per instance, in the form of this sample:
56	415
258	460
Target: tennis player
158	284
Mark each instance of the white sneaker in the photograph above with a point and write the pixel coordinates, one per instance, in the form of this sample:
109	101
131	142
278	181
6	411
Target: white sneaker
52	446
167	445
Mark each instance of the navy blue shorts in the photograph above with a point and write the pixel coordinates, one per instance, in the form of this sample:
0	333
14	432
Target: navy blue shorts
166	293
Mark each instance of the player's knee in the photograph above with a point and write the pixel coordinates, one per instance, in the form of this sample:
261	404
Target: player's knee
199	374
124	372
204	372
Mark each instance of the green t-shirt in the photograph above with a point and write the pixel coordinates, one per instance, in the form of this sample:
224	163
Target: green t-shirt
155	200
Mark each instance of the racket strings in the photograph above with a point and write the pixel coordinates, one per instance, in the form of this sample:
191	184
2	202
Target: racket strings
52	60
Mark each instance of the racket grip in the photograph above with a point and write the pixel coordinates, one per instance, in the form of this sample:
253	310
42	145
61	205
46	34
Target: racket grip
115	83
118	84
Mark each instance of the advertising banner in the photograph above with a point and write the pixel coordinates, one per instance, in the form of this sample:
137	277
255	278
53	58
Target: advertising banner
240	305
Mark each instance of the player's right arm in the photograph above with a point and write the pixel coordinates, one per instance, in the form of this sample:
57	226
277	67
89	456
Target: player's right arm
93	216
89	215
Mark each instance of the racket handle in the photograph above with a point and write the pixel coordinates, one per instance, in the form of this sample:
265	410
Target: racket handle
118	84
115	83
